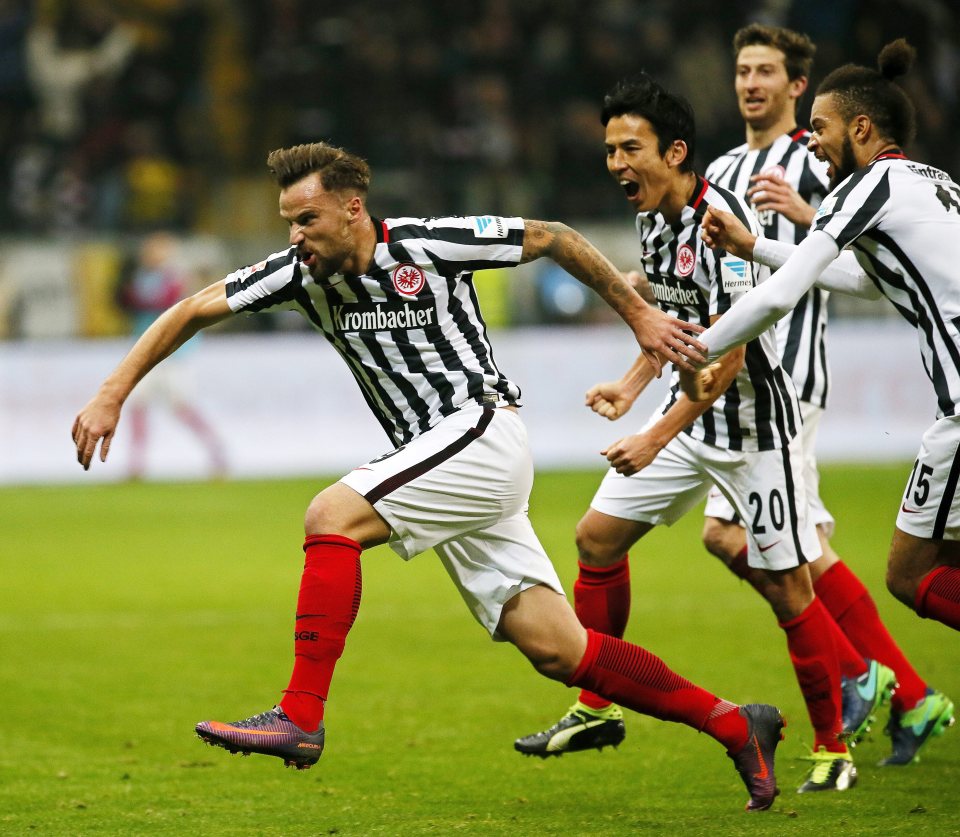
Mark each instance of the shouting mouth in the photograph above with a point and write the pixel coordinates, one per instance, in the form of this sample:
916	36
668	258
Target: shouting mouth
630	188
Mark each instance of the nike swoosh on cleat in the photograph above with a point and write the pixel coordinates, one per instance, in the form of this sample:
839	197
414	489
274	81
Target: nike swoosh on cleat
764	772
562	738
768	546
871	685
218	727
919	727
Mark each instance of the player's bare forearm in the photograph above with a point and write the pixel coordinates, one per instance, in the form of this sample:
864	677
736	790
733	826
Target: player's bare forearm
582	260
165	335
97	421
662	337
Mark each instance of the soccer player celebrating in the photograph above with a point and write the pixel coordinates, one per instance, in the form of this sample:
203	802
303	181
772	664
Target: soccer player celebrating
900	222
785	184
395	298
742	434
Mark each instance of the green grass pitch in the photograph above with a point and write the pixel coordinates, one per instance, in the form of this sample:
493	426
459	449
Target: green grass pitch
130	612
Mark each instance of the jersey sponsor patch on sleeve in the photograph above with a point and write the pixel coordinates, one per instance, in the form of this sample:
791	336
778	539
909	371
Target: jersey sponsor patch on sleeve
489	226
735	275
826	207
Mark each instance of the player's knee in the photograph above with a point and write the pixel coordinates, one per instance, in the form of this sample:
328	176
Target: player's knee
592	550
722	539
553	663
551	656
320	516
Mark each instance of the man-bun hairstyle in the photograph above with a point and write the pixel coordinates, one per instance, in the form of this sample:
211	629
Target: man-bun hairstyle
861	90
896	59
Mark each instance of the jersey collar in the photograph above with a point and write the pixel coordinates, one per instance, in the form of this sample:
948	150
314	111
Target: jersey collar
890	154
699	190
381	230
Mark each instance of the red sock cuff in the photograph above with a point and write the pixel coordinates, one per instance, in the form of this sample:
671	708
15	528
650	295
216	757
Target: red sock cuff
330	540
839	589
602	576
919	601
808	613
589	655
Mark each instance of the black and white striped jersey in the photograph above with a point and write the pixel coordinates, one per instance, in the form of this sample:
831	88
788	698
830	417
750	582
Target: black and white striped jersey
801	335
410	329
902	221
759	411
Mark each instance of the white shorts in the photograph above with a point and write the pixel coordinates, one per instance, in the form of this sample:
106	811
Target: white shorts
462	488
720	507
930	507
761	485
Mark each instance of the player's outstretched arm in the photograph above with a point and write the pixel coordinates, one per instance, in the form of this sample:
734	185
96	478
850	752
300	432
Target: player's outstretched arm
661	337
763	305
843	275
724	231
97	422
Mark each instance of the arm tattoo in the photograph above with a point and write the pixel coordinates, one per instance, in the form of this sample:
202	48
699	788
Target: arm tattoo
579	258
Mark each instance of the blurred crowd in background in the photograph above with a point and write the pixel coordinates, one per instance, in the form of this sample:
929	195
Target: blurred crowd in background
120	117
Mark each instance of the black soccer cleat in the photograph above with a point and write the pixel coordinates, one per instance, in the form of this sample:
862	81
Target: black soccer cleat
582	728
829	772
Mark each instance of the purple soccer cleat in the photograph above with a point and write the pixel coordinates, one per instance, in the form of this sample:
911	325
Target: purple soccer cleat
754	761
270	733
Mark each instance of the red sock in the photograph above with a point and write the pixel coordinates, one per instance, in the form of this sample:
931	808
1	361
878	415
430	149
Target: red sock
601	599
810	642
326	608
851	660
635	678
854	610
938	596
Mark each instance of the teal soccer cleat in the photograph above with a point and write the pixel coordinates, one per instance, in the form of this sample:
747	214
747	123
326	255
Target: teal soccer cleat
909	731
861	698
